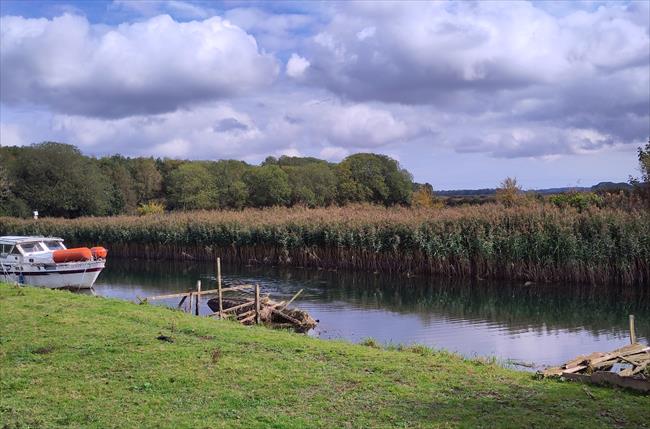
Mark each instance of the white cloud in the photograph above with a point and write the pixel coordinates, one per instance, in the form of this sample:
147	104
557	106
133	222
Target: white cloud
151	66
516	80
274	31
296	66
10	135
366	33
333	153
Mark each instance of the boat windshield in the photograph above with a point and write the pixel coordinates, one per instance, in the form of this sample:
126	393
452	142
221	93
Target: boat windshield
32	247
5	249
54	245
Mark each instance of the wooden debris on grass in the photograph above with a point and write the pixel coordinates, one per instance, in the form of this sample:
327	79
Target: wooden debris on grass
628	367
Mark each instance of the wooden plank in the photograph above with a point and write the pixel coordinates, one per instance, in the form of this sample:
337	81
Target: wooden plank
237	307
205	292
219	291
575	362
248	319
553	372
641	367
286	316
257	304
604	364
198	297
246	314
632	330
574	369
233	288
291	300
623	351
180	304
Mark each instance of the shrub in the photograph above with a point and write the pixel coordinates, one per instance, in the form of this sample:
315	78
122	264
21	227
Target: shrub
151	208
577	200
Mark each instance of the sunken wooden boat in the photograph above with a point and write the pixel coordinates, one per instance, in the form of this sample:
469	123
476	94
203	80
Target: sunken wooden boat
272	313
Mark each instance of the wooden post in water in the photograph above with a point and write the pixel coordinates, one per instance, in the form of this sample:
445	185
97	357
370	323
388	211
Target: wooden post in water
632	330
198	296
219	287
257	304
189	300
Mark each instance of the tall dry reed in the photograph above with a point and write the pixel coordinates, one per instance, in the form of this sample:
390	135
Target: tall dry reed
538	243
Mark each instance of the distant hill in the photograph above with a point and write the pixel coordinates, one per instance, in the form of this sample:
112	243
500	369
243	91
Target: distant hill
602	186
611	186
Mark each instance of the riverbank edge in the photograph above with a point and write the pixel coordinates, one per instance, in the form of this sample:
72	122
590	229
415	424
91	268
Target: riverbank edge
77	360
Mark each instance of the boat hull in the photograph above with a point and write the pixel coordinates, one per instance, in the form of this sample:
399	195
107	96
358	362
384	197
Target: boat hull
73	276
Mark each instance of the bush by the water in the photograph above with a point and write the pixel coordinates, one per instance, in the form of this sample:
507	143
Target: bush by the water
535	242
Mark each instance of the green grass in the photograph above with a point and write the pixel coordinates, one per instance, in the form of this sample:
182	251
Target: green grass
72	360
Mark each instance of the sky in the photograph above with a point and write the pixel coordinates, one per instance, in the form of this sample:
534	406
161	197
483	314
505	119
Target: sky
462	94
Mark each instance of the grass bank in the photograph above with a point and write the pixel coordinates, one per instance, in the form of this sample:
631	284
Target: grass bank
72	360
538	243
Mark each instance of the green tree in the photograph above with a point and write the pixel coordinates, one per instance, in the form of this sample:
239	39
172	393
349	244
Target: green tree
312	184
425	198
147	179
232	192
642	184
123	194
191	186
57	180
5	184
268	185
373	178
578	200
509	192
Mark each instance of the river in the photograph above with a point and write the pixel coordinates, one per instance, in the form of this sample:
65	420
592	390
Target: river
528	327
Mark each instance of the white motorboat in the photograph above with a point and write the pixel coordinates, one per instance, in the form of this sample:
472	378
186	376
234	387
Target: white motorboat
46	262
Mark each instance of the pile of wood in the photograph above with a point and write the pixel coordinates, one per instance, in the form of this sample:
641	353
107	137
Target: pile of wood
272	313
628	366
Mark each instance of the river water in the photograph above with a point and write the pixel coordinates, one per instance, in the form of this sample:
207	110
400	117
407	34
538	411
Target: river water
523	326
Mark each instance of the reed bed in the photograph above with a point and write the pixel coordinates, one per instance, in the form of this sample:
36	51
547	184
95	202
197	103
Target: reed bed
536	243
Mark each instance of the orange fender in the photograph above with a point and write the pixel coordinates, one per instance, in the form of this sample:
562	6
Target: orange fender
72	255
99	252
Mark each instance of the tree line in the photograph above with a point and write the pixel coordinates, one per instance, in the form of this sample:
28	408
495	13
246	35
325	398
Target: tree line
58	180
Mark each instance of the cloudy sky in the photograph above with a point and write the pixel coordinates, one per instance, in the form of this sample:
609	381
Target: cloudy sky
461	93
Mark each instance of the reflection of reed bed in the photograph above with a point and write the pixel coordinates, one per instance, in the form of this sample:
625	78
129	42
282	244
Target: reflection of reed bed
537	243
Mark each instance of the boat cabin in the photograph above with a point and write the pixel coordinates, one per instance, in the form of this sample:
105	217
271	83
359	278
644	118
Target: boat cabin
13	247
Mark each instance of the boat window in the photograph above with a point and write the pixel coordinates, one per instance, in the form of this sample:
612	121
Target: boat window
14	251
31	247
5	249
54	245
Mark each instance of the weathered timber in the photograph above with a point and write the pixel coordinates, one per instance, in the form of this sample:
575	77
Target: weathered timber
625	367
205	292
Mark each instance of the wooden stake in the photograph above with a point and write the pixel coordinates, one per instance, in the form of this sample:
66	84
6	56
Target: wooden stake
632	330
180	304
290	301
198	296
189	297
257	304
219	287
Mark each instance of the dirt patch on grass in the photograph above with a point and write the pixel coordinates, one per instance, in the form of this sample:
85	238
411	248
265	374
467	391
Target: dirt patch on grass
216	355
43	350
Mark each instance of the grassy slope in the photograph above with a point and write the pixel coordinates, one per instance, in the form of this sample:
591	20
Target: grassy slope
80	361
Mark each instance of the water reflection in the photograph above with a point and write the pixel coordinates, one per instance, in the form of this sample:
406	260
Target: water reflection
540	324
